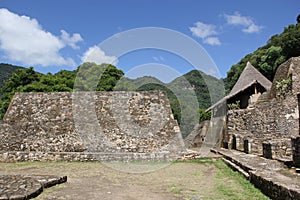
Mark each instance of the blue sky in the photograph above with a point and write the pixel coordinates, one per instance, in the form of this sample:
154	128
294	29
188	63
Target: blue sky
61	34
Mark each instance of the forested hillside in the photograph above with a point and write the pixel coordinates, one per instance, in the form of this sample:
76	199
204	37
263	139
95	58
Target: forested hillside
188	94
267	58
28	80
6	70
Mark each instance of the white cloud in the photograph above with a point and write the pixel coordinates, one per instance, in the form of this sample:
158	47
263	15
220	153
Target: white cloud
22	39
202	30
97	55
253	28
247	22
205	31
214	41
71	41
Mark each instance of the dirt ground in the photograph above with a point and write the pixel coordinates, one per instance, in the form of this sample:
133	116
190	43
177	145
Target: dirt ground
98	181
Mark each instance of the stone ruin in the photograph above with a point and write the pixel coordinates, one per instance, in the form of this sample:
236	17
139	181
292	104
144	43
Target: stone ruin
197	137
271	127
89	126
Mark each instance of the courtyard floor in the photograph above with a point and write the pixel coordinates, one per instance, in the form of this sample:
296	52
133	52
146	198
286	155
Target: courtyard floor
195	180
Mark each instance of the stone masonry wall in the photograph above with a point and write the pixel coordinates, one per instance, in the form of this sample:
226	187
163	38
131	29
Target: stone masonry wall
277	119
274	119
197	136
101	122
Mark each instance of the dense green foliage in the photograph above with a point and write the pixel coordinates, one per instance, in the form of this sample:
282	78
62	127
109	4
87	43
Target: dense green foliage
268	57
203	115
208	89
92	77
6	70
27	80
19	79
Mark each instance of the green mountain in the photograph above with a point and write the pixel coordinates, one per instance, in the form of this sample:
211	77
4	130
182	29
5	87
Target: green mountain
267	58
6	70
208	89
188	94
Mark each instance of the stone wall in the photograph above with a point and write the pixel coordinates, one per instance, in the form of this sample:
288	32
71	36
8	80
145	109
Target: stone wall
101	122
274	118
277	148
196	137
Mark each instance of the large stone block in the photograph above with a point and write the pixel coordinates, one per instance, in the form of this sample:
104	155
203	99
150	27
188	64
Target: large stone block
107	122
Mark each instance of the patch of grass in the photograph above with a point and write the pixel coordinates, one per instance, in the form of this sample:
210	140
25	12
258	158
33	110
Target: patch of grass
233	185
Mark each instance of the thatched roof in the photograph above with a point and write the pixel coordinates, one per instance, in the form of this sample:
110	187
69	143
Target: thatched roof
249	76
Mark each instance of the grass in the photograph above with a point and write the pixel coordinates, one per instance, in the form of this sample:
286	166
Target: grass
235	180
230	184
189	180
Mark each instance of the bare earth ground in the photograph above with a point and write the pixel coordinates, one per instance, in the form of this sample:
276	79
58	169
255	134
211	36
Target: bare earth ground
186	180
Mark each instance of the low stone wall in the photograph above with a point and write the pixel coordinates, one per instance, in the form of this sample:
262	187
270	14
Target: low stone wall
89	122
273	178
274	190
22	156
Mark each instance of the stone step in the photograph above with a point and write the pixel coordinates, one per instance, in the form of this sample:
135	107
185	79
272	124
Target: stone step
236	168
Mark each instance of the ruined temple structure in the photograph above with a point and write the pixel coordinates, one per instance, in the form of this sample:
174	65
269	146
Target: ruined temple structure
250	85
89	126
268	126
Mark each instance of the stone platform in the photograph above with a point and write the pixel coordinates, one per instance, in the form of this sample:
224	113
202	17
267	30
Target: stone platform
272	177
80	125
21	187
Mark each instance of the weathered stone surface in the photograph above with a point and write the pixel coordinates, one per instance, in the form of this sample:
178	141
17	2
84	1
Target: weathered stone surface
22	187
95	122
85	156
197	136
274	118
273	178
277	148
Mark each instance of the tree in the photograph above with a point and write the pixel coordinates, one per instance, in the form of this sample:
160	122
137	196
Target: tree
93	77
268	57
298	19
203	115
19	79
27	80
270	61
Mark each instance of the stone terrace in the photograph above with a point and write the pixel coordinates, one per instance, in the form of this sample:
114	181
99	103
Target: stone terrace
273	178
76	125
